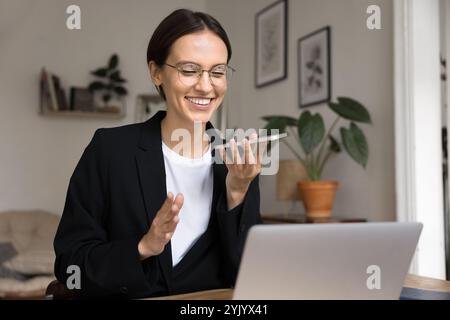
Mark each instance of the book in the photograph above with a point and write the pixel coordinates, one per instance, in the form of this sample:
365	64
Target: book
81	99
52	90
52	94
48	99
60	94
44	93
62	100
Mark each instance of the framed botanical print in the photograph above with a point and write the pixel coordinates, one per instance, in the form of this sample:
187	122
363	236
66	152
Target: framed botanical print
147	105
270	47
314	68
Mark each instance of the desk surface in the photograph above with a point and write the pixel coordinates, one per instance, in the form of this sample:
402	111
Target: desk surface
299	218
411	281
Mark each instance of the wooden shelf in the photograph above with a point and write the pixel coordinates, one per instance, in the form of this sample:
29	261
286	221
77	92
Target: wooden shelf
83	114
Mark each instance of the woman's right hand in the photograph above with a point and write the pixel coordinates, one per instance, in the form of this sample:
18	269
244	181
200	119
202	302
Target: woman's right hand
162	228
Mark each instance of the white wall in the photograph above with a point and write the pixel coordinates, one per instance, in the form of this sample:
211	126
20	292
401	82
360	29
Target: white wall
38	154
362	68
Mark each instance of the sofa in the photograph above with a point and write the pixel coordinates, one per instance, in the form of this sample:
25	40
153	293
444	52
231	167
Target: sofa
26	253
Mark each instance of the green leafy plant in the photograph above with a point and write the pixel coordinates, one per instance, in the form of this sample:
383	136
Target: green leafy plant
316	145
110	81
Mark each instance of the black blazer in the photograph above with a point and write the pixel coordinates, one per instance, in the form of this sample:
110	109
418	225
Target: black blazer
117	187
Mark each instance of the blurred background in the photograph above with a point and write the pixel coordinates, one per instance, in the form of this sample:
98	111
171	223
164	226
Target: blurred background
392	61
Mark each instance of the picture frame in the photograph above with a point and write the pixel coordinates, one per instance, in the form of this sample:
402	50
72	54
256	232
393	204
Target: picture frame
314	68
81	99
271	44
147	105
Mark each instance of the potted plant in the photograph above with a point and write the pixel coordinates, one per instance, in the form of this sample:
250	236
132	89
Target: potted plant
316	147
109	84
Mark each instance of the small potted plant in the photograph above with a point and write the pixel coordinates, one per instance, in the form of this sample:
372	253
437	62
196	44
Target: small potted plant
109	85
316	147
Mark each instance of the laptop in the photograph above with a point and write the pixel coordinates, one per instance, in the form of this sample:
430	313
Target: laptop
326	261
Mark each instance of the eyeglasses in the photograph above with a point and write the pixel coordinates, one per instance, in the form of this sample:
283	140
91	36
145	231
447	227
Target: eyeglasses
190	73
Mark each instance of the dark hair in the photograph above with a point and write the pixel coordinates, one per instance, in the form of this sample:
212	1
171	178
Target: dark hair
179	23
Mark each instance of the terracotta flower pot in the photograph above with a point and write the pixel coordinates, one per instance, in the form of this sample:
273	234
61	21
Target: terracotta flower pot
318	197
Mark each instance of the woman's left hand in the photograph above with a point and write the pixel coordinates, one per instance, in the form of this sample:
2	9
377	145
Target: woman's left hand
241	172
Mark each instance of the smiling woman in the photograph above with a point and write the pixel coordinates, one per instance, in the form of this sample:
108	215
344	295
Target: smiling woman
191	93
143	218
194	43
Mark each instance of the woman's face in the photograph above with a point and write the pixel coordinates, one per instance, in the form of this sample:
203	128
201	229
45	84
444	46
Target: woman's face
195	102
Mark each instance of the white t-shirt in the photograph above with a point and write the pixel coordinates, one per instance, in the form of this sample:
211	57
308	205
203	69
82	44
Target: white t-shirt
194	179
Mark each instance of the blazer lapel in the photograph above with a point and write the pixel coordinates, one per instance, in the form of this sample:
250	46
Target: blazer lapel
152	177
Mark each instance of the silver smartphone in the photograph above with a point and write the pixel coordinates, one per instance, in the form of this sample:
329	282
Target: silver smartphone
273	137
